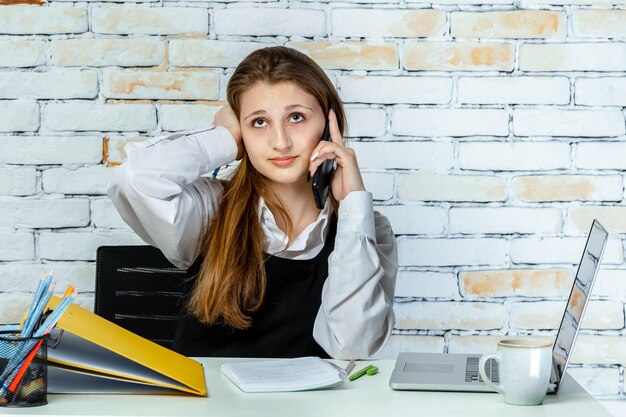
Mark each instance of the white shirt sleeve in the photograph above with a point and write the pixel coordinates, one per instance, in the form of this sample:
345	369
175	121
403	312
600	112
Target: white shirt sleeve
356	317
160	192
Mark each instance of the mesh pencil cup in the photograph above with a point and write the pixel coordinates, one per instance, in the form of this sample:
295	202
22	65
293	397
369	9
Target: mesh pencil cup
23	370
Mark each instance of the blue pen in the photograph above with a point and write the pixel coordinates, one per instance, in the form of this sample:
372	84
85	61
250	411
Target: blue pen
215	171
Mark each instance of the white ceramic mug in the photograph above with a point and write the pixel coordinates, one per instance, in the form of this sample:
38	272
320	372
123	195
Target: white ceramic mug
524	370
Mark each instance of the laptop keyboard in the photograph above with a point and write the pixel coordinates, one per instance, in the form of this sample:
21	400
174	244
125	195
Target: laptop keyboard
471	370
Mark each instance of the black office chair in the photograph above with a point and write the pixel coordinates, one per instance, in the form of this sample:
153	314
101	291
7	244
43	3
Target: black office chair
138	289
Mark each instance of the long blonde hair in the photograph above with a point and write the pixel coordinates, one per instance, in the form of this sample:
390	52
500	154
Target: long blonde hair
232	282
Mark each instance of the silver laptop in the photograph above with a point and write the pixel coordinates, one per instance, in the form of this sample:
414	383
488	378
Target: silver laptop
459	372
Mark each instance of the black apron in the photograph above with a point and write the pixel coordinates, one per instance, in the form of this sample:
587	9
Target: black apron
281	328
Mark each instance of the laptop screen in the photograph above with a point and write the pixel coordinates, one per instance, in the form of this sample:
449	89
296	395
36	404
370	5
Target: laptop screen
581	288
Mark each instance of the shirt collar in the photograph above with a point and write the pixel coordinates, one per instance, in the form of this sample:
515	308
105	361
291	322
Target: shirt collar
312	237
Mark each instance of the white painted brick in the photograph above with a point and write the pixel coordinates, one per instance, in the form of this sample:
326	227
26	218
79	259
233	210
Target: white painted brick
602	350
548	314
508	24
22	53
426	284
105	215
381	23
449	315
610	283
351	55
366	122
545	282
106	117
32	20
458	56
559	122
48	213
451	252
16	246
601	155
177	117
473	344
19	116
406	343
175	85
527	3
607	91
415	220
455	2
560	250
597	381
395	90
429	186
450	122
104	52
18	181
81	245
13	307
114	1
50	150
116	144
599	23
436	156
568	187
505	220
269	21
511	156
25	277
89	180
379	184
210	53
56	84
149	20
603	315
588	56
580	218
513	90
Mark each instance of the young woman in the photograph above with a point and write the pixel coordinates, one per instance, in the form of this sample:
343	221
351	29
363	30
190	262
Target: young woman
277	277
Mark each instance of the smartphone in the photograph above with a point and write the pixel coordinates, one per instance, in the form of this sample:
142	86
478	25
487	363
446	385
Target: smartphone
324	173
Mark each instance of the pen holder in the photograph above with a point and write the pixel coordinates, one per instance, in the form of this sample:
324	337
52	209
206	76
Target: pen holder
23	370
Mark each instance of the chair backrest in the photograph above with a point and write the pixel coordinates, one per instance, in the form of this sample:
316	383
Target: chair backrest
138	289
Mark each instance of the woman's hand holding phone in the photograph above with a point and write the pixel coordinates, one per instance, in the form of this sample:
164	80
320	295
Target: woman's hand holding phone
347	176
227	118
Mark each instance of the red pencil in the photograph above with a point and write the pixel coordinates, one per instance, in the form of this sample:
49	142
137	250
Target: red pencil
23	368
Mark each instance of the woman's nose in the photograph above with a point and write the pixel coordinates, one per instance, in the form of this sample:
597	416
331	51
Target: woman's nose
281	139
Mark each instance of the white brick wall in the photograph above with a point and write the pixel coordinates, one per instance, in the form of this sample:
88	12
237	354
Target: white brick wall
489	142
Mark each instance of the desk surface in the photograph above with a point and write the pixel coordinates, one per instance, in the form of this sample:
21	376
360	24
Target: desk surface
367	396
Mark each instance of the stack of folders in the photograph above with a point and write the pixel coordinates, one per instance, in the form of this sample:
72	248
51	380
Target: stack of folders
281	375
37	325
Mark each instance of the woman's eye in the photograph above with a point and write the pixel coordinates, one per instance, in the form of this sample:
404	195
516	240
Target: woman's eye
255	124
298	116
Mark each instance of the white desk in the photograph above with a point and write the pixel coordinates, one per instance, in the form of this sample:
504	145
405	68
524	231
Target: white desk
367	396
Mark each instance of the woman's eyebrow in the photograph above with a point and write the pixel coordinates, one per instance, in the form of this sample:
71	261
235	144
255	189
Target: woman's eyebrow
289	107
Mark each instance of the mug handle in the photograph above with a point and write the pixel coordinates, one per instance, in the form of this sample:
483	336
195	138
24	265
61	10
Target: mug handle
481	370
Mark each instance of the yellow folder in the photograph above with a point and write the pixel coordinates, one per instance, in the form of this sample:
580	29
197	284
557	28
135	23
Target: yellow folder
89	354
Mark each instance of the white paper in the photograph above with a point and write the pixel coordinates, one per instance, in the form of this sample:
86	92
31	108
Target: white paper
281	375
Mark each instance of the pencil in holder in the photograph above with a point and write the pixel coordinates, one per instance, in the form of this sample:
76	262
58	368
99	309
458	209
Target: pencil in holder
23	370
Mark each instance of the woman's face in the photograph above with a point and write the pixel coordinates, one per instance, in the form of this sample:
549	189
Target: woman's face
280	124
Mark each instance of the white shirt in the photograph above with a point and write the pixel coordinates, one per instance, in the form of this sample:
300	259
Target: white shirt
163	196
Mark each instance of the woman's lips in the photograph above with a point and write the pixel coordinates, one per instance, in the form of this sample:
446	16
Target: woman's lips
283	161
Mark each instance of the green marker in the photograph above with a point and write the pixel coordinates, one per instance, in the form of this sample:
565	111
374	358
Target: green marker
359	374
372	370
